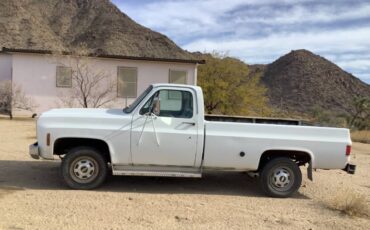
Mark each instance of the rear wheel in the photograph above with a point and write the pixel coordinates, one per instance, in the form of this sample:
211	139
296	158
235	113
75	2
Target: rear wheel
84	168
280	177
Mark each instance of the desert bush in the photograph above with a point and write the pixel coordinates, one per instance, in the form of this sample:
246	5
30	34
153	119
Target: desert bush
361	136
360	116
229	89
350	203
322	117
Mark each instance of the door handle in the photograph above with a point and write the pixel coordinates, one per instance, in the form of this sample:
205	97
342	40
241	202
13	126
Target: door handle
189	123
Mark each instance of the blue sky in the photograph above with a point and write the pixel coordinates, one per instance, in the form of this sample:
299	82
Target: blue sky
260	31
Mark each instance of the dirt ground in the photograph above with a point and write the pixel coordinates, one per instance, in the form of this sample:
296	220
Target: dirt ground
33	196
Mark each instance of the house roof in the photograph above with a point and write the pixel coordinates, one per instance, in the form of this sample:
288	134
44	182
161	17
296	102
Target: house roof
98	25
31	51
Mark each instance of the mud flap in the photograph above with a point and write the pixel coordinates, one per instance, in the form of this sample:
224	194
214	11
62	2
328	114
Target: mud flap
309	171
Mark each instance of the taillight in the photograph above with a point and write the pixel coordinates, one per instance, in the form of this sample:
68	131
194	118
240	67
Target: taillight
348	150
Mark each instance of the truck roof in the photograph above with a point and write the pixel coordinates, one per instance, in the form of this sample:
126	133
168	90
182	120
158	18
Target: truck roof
156	85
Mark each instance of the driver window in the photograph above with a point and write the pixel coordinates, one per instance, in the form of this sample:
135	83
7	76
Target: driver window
174	103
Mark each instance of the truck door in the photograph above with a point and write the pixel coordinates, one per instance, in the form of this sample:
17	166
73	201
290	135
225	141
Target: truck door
170	137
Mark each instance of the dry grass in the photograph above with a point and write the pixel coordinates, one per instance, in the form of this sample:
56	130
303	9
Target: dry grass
361	136
350	203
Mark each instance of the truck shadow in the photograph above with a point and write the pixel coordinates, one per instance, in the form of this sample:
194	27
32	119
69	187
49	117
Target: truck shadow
45	175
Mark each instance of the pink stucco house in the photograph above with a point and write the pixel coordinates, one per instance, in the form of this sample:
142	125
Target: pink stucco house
40	78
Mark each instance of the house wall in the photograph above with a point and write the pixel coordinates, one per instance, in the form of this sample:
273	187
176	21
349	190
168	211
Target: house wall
36	75
5	67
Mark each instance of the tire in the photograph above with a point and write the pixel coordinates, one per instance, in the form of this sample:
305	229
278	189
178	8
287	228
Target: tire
280	177
84	168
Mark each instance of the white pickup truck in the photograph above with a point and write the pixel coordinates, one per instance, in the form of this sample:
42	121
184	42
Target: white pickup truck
165	133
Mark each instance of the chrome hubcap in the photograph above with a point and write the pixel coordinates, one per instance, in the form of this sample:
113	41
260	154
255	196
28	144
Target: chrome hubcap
281	178
84	169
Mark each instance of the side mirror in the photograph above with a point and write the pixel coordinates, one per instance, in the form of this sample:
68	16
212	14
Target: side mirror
156	106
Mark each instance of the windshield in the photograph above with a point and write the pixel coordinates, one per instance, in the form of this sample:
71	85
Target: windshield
131	107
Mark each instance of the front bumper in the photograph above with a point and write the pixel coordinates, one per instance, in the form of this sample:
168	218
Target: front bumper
351	169
34	151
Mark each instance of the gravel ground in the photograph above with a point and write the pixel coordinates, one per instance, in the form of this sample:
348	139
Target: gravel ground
32	196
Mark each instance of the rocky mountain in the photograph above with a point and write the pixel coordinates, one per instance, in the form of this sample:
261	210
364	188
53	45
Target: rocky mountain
66	24
302	81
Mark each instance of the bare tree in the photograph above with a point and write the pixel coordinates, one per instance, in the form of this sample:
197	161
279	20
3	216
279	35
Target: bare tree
91	87
12	97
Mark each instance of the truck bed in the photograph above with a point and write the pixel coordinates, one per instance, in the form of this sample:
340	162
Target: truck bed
225	141
257	120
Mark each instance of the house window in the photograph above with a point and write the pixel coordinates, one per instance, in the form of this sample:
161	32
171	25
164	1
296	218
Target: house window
64	77
127	82
178	77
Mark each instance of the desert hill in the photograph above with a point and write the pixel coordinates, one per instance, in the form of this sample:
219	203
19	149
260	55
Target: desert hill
302	81
66	24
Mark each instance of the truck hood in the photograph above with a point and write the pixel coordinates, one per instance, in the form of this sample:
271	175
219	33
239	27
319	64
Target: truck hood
85	113
98	122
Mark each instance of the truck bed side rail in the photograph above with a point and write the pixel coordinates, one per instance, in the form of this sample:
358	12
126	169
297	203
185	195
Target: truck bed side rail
257	120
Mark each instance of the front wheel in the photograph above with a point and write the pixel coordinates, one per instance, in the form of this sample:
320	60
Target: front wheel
84	168
280	177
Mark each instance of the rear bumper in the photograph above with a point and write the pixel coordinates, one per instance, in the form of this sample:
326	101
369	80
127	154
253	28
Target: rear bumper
34	151
351	169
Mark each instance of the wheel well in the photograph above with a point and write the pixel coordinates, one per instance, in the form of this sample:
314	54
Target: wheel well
300	157
63	145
